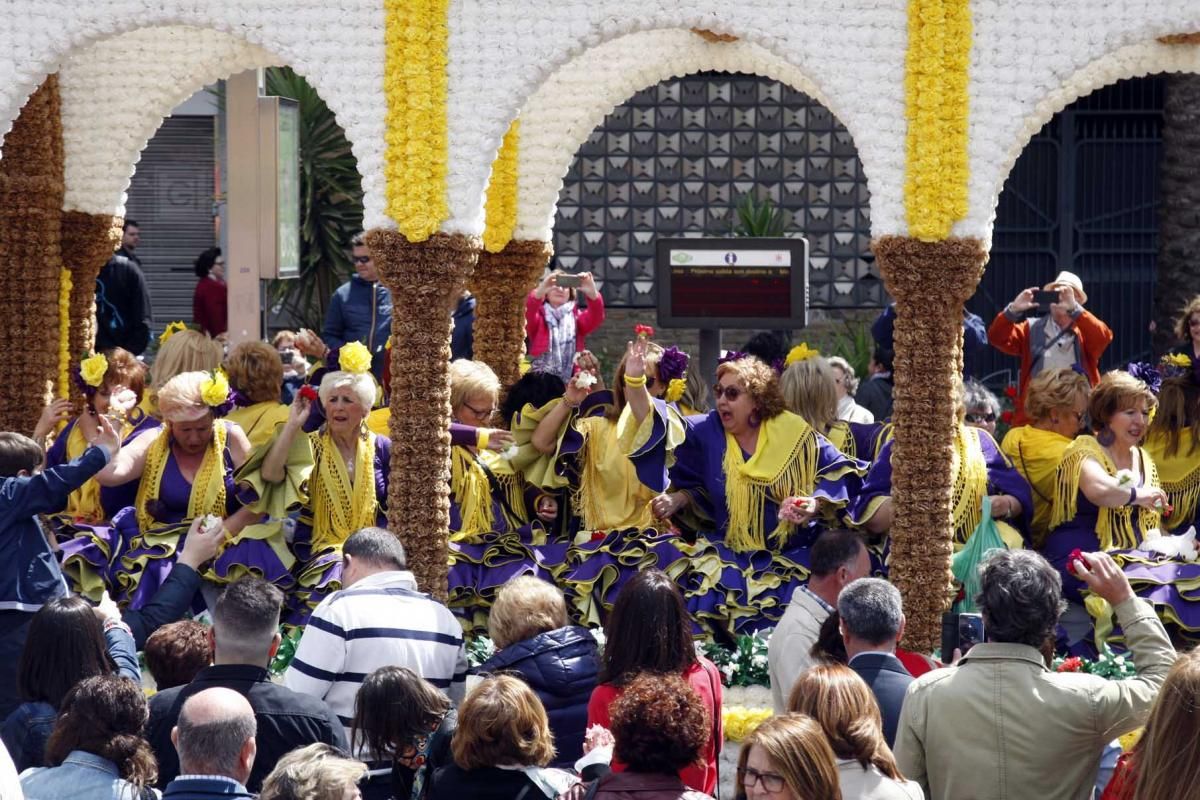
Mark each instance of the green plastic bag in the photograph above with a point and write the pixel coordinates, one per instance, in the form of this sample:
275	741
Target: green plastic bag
965	563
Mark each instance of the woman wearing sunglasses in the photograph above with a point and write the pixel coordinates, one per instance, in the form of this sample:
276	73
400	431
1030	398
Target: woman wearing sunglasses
757	481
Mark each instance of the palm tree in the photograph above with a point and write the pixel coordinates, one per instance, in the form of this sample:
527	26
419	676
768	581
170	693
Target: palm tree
1179	226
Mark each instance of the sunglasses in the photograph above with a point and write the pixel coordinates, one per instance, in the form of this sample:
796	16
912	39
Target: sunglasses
981	417
730	393
362	259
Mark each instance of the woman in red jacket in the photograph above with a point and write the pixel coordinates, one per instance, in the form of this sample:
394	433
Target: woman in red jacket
556	326
210	303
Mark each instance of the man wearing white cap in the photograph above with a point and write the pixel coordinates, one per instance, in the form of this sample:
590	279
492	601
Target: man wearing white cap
1069	337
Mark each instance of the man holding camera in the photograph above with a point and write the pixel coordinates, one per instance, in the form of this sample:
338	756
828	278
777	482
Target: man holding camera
1002	725
1066	335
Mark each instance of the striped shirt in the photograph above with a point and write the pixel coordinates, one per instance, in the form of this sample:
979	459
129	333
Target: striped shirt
382	620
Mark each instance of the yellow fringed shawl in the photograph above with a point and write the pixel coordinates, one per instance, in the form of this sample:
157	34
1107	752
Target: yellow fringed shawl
1114	527
969	483
473	491
339	508
208	487
1036	454
84	502
784	464
259	420
842	438
1179	475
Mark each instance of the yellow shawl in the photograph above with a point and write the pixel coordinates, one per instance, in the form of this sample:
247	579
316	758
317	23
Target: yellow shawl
1179	474
969	482
842	438
259	421
339	508
208	487
784	464
473	491
1115	527
1036	454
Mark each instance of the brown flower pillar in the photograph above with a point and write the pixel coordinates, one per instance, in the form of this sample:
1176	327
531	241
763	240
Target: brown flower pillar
88	241
31	199
928	347
500	284
424	278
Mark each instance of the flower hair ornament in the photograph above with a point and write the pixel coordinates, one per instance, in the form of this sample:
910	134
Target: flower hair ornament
672	366
352	357
216	394
1175	365
171	330
731	355
89	374
801	352
643	332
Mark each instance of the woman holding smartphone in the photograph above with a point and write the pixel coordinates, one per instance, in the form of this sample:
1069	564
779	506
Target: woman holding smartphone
555	326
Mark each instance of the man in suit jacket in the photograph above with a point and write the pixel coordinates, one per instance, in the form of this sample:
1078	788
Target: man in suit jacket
872	621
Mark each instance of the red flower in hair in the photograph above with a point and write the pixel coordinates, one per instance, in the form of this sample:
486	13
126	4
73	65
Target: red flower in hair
644	330
309	393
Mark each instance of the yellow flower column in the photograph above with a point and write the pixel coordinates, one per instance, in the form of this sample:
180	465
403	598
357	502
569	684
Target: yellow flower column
928	335
507	270
31	198
425	272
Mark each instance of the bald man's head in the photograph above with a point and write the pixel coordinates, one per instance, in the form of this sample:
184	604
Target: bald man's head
215	735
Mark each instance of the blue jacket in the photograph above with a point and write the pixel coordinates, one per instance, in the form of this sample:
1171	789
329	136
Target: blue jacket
82	774
206	787
889	681
31	576
360	312
561	667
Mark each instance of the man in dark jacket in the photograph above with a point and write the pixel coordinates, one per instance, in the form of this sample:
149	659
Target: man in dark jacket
245	637
872	621
875	393
361	310
215	739
122	300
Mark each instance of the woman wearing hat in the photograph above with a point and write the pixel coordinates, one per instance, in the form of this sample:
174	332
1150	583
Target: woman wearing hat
1069	337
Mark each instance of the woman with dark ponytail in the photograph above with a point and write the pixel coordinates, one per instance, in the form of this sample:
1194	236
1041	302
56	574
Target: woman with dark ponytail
97	750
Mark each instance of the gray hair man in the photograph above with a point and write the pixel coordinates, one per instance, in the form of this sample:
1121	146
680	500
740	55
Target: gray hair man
215	741
871	620
245	637
377	619
1002	724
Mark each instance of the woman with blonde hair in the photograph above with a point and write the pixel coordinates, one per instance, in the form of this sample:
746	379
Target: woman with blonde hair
847	711
535	640
809	388
180	350
337	475
501	748
1056	406
1173	441
316	772
787	758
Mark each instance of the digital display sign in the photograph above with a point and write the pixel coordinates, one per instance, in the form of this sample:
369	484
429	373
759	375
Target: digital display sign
732	283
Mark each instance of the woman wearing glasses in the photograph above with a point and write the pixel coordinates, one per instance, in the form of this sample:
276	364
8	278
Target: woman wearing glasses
979	469
761	480
1056	405
788	758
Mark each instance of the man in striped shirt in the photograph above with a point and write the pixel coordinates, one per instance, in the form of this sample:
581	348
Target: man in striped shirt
377	619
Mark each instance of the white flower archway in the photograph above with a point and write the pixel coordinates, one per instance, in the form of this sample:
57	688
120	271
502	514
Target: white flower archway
564	111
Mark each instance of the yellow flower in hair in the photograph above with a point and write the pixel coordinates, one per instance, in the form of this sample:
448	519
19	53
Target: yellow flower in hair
801	352
171	330
354	357
215	390
675	389
1179	360
92	369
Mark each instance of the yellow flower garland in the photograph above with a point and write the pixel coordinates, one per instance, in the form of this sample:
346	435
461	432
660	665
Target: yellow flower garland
738	722
501	206
415	85
64	333
936	96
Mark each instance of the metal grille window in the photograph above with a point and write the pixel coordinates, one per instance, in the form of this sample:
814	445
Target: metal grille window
674	159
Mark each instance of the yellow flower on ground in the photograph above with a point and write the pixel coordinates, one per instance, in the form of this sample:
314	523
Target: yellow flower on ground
354	357
215	390
675	389
171	330
801	352
92	369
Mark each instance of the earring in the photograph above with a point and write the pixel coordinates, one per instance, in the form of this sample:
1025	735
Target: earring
754	420
1106	437
363	430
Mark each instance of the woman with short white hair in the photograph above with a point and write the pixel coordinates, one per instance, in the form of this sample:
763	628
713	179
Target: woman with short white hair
338	474
846	384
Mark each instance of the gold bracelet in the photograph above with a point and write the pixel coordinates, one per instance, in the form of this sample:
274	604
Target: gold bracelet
639	380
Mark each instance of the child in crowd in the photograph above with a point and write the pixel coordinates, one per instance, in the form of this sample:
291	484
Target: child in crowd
30	576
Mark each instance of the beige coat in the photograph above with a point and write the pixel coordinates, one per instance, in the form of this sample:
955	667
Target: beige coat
1002	726
871	784
788	651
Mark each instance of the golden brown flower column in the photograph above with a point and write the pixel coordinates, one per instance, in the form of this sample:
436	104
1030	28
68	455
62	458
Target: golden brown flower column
31	199
928	343
424	278
500	284
88	241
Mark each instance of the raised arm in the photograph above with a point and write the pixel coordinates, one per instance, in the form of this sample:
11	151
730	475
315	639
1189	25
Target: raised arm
545	436
127	464
636	394
274	465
